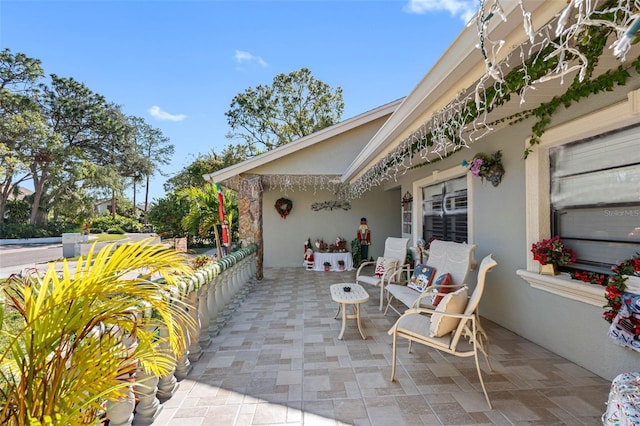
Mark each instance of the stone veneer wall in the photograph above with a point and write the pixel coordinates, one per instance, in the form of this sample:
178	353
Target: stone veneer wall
250	219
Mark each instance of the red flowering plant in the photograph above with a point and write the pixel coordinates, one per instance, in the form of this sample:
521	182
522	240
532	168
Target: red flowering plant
552	251
590	277
617	285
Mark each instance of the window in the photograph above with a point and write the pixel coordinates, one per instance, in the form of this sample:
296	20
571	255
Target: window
601	126
407	216
595	202
444	211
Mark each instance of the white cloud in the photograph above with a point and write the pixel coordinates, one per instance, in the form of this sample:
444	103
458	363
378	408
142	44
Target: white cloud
461	8
158	113
242	56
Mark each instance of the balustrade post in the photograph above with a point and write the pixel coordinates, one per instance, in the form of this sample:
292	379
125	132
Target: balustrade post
120	411
149	406
203	312
183	364
168	384
211	302
220	319
195	351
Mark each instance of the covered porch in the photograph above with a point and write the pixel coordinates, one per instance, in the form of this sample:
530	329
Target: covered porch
278	361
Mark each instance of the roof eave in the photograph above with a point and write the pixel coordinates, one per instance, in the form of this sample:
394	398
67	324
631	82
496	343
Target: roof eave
460	67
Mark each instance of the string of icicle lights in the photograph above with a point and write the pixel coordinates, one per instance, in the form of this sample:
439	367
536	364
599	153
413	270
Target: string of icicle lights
457	124
286	184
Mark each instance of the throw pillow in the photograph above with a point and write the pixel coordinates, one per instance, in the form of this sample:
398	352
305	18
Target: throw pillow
453	303
422	277
443	285
384	265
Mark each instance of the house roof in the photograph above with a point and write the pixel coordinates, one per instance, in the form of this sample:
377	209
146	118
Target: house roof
463	71
315	138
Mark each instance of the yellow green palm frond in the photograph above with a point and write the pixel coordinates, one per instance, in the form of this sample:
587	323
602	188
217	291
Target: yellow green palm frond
69	354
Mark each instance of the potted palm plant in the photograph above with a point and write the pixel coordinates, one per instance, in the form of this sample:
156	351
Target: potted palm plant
69	344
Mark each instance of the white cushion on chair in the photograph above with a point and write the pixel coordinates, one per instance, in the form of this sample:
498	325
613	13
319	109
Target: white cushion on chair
452	303
385	264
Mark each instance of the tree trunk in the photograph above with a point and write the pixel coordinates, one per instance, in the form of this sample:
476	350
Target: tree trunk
38	186
7	187
135	209
146	200
113	203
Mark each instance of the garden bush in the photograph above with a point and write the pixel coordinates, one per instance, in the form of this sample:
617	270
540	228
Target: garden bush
115	230
22	230
103	223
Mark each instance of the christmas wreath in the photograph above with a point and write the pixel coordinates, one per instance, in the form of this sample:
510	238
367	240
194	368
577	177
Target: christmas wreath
284	206
617	285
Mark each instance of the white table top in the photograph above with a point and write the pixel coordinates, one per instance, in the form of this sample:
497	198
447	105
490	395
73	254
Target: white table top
332	258
356	295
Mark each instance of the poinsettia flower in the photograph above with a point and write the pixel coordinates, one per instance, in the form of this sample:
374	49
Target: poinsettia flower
613	292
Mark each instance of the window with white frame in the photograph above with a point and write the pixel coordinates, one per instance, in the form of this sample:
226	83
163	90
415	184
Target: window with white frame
444	210
595	198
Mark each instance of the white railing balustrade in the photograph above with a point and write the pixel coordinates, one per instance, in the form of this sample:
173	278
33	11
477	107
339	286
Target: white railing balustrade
211	295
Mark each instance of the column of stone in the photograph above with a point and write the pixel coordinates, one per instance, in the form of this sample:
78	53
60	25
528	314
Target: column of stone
250	217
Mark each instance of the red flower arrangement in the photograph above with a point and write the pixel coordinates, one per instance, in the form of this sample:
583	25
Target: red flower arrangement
590	277
617	285
552	251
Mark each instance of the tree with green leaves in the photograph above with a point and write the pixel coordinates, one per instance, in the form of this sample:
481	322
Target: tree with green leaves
202	218
153	150
85	131
166	215
20	121
204	164
65	353
295	105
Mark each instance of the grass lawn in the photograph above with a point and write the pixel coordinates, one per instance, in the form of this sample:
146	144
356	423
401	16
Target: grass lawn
105	237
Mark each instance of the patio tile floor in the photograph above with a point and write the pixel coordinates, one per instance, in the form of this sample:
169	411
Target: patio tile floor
278	361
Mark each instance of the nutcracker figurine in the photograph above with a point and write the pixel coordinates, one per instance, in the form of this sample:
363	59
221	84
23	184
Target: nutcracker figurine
364	237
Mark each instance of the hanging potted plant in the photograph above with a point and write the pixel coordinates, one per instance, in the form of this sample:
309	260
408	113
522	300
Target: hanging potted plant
487	167
551	254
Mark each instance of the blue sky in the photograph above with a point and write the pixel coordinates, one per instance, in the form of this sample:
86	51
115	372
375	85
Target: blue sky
178	64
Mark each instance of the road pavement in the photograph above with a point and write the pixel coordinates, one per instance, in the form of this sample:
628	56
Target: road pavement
15	259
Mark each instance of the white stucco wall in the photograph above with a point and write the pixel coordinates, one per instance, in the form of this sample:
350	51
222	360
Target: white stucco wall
331	156
569	328
284	238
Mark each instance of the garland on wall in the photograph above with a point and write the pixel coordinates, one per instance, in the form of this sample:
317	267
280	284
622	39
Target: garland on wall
331	205
570	45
